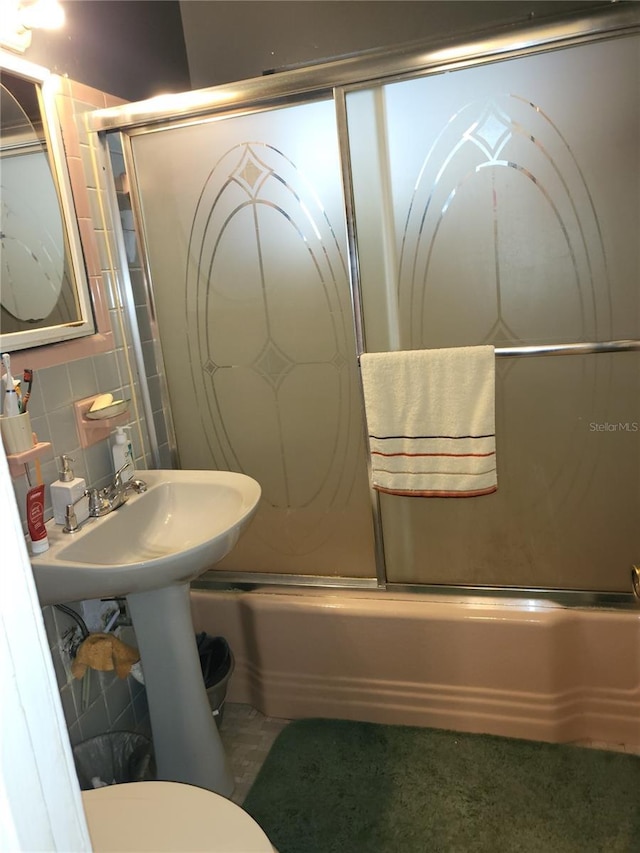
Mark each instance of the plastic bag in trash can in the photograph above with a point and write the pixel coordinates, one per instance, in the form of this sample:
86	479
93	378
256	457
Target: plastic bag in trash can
114	758
215	658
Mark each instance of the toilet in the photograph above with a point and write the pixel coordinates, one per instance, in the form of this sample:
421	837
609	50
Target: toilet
168	816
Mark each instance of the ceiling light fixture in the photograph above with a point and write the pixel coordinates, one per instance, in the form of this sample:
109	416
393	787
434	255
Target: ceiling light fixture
19	17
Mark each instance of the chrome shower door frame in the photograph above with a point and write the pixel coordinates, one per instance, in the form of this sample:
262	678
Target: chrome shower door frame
335	80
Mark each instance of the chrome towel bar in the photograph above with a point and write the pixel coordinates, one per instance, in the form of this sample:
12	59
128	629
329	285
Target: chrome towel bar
570	349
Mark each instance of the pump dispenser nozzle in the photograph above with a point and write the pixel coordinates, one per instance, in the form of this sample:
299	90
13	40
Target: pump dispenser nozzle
66	475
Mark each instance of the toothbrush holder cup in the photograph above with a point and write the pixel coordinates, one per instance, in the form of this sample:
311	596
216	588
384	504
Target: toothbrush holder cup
16	433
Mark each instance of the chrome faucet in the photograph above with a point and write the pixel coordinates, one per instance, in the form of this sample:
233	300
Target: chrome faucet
104	501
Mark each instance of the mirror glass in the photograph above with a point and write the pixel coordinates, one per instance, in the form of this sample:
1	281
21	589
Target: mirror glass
44	293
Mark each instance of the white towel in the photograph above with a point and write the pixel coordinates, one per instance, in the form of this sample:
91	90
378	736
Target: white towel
431	421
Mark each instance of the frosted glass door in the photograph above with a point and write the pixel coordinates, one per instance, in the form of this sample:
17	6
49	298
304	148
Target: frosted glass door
500	204
245	233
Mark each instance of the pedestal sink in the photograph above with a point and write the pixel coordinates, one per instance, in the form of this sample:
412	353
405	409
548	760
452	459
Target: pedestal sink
149	550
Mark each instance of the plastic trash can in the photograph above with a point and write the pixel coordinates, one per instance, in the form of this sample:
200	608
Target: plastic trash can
217	664
113	758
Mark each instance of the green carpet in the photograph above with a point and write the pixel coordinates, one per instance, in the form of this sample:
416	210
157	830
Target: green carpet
335	785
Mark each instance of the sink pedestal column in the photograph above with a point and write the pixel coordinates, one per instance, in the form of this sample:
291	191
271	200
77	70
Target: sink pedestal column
185	737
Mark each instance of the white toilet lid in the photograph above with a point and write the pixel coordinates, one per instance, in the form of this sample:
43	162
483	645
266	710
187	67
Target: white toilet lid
168	816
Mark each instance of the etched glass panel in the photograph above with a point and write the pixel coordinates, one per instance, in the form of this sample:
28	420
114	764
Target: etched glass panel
565	515
500	204
244	224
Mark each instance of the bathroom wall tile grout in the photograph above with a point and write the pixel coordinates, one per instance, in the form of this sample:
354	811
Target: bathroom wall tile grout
112	703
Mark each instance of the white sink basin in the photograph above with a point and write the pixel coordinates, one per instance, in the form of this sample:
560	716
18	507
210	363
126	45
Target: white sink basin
184	523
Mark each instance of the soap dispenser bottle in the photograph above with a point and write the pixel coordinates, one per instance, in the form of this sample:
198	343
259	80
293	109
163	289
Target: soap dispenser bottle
122	453
69	489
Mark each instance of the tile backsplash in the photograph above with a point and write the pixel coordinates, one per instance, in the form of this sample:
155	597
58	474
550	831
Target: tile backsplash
52	419
108	704
67	373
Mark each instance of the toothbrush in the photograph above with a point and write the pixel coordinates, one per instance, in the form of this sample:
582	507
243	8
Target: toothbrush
28	379
7	378
11	407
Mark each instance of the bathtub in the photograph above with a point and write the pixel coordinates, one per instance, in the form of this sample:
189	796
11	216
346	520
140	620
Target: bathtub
520	668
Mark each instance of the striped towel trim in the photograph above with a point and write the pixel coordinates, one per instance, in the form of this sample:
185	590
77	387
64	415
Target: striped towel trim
418	437
395	465
430	493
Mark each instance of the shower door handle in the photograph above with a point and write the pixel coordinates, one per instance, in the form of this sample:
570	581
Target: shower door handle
635	581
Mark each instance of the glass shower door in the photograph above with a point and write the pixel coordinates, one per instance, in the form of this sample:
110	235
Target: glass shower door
243	220
501	204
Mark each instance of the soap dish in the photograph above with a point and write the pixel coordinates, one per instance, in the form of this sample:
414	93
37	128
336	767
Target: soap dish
111	411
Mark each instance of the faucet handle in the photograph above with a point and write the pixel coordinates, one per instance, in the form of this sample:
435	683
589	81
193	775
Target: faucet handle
70	520
95	502
117	479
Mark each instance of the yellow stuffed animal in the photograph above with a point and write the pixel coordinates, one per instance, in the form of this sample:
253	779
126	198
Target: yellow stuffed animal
104	652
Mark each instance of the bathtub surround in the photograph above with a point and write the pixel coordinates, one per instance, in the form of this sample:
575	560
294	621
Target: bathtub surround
518	668
359	786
